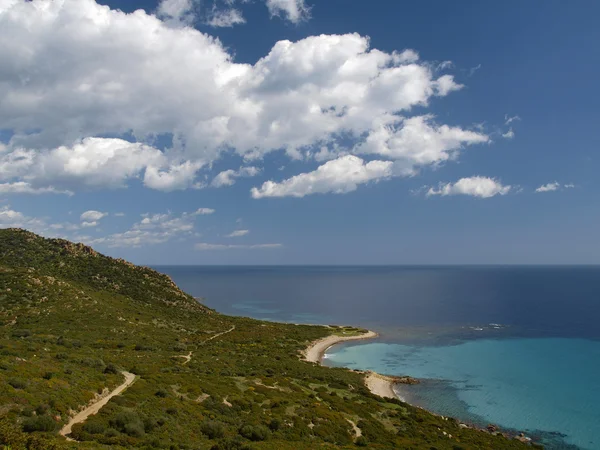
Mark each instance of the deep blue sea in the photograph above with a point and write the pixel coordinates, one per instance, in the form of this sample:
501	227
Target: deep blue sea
515	346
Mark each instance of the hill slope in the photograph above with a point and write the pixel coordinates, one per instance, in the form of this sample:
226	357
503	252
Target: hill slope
73	320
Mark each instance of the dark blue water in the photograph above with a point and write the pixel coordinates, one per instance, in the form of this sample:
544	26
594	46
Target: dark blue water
517	346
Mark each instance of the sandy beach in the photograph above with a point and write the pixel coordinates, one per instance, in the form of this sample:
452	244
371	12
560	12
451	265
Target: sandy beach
378	384
316	350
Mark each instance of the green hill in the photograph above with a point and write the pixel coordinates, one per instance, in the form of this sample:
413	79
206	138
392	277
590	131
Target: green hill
72	320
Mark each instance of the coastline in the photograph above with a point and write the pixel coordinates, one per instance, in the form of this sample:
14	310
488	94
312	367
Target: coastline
381	385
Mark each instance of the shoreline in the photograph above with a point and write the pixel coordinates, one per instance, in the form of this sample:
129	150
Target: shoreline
381	385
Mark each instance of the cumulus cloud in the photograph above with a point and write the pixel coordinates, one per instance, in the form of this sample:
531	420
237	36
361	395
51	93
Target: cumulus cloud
339	176
418	141
176	11
92	216
238	233
91	162
551	187
293	10
227	177
138	75
205	246
477	186
225	18
9	218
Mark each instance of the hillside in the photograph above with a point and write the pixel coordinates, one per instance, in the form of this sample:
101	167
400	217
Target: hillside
72	321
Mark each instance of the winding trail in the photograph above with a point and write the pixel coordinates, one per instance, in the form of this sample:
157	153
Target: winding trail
219	334
97	406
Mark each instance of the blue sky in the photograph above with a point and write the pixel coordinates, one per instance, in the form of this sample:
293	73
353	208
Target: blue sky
304	132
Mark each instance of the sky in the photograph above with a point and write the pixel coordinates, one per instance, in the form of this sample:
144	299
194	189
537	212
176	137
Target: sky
304	131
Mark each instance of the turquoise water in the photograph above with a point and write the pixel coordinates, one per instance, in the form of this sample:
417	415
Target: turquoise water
541	386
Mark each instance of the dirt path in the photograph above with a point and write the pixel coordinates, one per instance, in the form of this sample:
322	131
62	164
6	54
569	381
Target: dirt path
357	431
219	334
97	406
187	357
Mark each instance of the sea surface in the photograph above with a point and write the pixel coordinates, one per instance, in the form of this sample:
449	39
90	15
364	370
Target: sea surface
515	346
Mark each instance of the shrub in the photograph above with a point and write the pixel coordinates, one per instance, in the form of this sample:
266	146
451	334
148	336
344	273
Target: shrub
212	429
94	427
17	383
48	375
275	424
254	432
42	409
111	432
39	423
134	429
361	441
161	393
21	333
111	368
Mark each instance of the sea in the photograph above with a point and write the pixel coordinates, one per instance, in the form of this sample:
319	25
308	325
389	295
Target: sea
514	346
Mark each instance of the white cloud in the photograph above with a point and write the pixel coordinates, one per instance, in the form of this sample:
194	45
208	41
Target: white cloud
238	233
338	176
418	141
176	11
509	134
227	177
91	162
10	218
176	177
225	18
510	119
88	224
21	187
551	187
205	246
477	186
138	75
293	10
119	214
133	73
472	70
92	216
203	211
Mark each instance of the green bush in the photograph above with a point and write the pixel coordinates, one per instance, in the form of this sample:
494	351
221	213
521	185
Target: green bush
255	432
39	423
94	427
111	368
361	441
17	383
212	429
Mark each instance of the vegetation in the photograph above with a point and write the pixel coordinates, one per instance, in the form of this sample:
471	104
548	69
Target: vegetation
72	320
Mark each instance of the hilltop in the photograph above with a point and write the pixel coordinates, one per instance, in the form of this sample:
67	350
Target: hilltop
73	322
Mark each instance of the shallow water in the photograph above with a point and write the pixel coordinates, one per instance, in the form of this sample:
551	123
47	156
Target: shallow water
515	346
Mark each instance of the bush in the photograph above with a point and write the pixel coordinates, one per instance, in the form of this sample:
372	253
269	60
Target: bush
21	333
361	441
94	427
161	393
254	432
275	424
42	409
17	383
212	429
39	423
48	375
134	429
111	368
